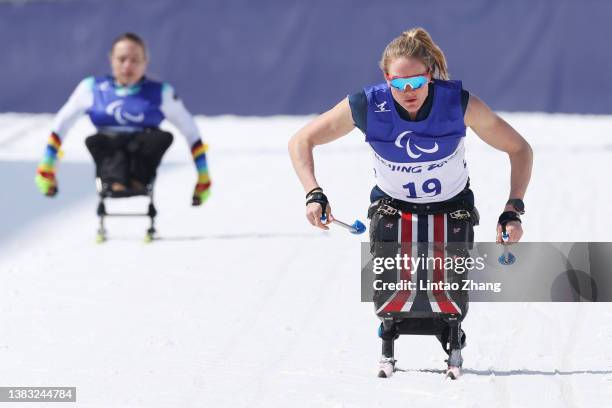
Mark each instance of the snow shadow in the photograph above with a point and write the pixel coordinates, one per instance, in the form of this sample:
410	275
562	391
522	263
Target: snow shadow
246	235
21	203
506	373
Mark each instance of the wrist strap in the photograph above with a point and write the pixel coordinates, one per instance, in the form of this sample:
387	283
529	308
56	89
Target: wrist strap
313	190
508	216
320	198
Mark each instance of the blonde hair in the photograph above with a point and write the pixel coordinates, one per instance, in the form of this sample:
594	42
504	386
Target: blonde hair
416	43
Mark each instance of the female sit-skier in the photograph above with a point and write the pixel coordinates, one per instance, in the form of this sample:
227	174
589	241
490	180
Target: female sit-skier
416	119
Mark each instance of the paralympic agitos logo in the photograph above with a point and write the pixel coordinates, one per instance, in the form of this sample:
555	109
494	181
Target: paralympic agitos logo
410	146
122	117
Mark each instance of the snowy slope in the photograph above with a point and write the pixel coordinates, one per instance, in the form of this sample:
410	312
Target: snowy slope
242	304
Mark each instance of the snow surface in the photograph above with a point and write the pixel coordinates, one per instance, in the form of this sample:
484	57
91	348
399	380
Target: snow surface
242	304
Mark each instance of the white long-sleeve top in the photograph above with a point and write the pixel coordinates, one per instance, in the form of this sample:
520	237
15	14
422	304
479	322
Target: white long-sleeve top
120	109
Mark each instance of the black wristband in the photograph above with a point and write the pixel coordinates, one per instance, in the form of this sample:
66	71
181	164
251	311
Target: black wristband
517	204
318	197
313	190
508	216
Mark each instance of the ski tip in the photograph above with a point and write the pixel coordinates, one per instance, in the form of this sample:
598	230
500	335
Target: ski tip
382	374
358	227
453	373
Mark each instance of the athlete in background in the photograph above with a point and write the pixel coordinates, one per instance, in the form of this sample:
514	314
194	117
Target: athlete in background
126	109
414	123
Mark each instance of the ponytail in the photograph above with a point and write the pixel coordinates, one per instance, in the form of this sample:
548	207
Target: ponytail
416	43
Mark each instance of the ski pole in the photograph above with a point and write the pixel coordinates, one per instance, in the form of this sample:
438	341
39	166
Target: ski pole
356	228
507	258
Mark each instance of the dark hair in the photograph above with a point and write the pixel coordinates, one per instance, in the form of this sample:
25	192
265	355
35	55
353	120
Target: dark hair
131	37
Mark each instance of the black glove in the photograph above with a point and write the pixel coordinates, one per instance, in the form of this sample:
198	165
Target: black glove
506	217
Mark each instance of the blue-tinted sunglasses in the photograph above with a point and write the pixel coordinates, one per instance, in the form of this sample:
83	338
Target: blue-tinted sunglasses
402	83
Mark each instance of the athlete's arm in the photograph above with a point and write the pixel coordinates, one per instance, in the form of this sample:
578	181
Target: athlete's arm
79	101
77	104
174	110
326	128
496	132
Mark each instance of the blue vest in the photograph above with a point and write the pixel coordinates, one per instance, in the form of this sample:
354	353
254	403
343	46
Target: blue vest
421	161
123	108
443	127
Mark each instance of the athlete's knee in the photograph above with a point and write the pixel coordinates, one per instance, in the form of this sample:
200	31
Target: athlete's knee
170	137
165	139
94	142
160	138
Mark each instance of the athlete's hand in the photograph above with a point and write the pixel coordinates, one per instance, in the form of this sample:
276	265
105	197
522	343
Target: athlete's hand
201	192
314	211
46	182
317	205
512	222
514	229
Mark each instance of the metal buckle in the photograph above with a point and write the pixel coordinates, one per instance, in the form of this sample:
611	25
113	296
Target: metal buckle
460	215
386	209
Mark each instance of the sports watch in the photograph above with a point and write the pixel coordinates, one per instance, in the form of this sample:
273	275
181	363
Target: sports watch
517	204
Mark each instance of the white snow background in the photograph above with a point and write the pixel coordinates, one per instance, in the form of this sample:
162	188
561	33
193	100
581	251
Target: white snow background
241	303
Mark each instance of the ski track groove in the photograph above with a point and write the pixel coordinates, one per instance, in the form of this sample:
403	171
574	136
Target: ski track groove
566	386
500	385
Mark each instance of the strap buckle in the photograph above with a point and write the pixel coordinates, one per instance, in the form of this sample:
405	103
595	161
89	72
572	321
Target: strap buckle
460	215
386	209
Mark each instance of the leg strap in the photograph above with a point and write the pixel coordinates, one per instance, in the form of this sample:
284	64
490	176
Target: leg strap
452	337
388	334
